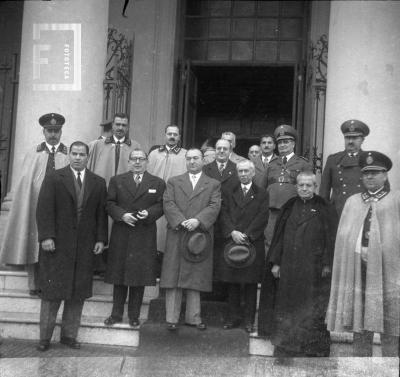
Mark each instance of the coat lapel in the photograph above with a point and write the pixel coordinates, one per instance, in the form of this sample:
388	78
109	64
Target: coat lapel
200	186
186	185
249	196
68	181
144	185
238	196
130	183
88	186
228	171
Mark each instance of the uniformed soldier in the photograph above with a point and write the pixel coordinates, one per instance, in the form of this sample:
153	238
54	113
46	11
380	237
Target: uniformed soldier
281	175
342	176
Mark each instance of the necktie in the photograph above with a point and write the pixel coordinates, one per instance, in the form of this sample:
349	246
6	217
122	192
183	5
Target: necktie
244	189
117	152
265	162
221	168
194	181
79	180
284	160
51	161
137	179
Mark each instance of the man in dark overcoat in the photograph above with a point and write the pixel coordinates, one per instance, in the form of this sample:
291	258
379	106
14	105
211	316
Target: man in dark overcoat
191	203
72	227
295	290
244	215
134	202
224	170
342	176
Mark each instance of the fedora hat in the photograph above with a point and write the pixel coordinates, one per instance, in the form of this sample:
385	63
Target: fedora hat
239	255
196	246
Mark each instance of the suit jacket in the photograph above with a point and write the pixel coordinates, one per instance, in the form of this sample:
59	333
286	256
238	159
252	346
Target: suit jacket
248	215
181	202
132	250
341	178
67	272
260	178
229	178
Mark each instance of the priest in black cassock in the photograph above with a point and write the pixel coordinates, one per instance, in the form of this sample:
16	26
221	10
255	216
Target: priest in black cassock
295	290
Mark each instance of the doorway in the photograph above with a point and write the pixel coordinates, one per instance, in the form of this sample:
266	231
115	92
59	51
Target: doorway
246	100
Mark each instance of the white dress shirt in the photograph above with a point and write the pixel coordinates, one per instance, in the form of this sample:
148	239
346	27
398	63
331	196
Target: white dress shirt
194	178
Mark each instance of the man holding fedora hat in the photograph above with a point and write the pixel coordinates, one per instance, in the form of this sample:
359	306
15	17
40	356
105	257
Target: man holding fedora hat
49	155
244	214
342	176
191	205
365	291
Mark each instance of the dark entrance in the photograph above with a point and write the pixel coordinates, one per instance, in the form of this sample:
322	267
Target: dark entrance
249	101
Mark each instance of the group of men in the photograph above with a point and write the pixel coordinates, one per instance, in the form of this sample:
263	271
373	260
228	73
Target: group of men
234	220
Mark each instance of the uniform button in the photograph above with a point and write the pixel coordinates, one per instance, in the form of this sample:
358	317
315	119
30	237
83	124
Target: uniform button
339	172
358	186
344	184
344	192
340	179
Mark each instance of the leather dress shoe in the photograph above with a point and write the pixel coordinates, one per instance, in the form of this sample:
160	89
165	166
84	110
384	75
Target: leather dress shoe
111	321
134	322
172	326
43	345
231	324
71	343
199	326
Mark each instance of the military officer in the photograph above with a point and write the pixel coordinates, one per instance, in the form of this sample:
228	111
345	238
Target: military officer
281	175
342	176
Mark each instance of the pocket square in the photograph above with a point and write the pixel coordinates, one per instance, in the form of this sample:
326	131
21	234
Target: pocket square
152	191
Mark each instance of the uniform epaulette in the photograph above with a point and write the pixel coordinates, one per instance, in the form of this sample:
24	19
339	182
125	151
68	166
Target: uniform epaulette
175	149
63	148
41	147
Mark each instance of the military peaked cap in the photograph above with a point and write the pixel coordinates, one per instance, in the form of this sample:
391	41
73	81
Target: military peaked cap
51	120
354	127
285	132
372	160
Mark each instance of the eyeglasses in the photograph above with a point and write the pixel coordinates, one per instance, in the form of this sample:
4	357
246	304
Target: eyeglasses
138	159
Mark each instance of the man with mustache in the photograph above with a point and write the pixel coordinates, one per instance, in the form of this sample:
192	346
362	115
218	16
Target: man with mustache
165	162
20	243
342	176
110	156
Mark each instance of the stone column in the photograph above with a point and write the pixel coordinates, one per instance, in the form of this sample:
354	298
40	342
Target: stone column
153	24
63	54
364	76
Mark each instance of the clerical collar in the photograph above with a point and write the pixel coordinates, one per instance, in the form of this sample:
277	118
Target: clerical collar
49	147
305	200
352	154
169	149
78	171
368	196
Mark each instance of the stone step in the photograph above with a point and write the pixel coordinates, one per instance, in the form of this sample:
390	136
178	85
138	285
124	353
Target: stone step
18	280
99	305
20	325
263	347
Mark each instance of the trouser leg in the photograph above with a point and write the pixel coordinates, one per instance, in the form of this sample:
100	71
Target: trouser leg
193	309
173	302
71	318
362	344
269	230
119	298
250	303
135	302
390	345
234	313
32	270
48	316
